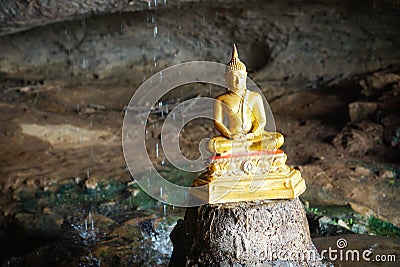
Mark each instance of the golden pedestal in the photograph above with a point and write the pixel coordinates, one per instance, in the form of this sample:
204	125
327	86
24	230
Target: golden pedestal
252	176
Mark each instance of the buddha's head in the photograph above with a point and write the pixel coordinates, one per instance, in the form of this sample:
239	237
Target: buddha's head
236	74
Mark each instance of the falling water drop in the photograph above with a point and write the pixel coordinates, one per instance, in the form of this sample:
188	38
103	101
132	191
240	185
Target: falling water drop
168	40
91	221
85	224
166	108
155	31
88	174
157	150
165	210
149	4
165	2
147	134
182	114
84	63
155	61
155	3
161	192
160	106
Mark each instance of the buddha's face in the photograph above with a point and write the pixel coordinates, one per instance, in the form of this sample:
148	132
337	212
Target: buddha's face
236	80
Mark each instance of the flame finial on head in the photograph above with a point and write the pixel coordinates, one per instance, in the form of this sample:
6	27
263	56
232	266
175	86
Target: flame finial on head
235	63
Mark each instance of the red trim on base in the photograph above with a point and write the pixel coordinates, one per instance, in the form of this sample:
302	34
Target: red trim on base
255	153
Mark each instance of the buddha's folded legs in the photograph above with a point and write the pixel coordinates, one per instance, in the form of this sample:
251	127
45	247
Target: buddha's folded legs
267	141
221	144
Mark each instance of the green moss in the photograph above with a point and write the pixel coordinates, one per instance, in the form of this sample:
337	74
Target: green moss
31	205
356	223
382	228
43	194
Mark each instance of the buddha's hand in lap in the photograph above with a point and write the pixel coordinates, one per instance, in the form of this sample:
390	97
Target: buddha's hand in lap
250	136
247	136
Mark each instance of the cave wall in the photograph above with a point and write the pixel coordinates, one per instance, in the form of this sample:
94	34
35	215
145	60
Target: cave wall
312	41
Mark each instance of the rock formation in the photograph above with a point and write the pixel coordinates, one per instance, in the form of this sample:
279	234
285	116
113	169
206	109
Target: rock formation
244	234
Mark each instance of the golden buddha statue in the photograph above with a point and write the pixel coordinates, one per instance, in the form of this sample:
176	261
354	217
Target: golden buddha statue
245	112
248	164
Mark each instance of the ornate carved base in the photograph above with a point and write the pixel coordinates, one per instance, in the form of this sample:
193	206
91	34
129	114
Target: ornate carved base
247	177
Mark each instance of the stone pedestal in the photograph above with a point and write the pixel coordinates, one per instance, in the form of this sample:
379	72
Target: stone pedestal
257	233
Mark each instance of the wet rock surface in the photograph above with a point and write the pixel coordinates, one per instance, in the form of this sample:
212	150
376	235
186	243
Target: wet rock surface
315	42
22	15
